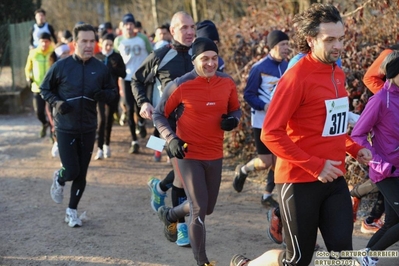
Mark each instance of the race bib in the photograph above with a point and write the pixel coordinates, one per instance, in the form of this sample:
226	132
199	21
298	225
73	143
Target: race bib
337	117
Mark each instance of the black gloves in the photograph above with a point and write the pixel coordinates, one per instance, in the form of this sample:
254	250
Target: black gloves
62	107
177	149
100	96
228	122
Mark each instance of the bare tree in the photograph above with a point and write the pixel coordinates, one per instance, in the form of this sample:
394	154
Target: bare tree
154	12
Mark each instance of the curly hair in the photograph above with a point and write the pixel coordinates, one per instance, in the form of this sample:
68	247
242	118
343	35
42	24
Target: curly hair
307	23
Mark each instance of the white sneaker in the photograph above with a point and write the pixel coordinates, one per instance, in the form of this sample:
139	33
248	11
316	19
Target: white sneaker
122	119
54	150
71	217
365	259
99	154
107	151
57	191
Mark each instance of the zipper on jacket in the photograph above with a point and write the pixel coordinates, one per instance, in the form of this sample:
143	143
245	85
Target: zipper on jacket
333	80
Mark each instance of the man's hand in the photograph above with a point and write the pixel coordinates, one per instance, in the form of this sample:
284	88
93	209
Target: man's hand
228	123
266	107
177	148
62	107
146	111
330	172
364	156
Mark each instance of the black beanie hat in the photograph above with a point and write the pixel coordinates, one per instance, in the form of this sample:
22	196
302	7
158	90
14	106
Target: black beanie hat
275	37
128	18
202	44
207	29
392	68
45	36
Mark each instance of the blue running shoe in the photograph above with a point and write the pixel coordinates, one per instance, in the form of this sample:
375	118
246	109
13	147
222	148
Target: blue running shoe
182	235
157	199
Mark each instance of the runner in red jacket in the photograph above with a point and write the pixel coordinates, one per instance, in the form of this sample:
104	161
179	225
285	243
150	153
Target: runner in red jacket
305	127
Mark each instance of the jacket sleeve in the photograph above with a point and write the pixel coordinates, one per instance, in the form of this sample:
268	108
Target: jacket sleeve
31	36
141	79
234	104
49	85
251	89
170	100
109	86
28	67
118	67
52	33
373	79
370	116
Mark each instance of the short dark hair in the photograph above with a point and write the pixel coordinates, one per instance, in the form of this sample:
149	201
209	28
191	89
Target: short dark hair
40	10
165	26
308	22
82	27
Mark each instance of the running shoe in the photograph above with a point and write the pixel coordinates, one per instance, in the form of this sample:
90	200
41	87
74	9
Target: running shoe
275	231
142	130
123	119
182	235
269	202
169	229
99	154
71	217
134	148
157	199
239	178
209	264
157	156
107	151
56	190
54	150
365	260
367	228
239	260
43	131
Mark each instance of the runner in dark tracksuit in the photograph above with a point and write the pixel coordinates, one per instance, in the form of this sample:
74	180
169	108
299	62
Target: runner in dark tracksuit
73	86
117	68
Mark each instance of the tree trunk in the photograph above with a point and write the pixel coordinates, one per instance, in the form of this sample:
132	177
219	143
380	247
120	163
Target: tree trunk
154	12
195	11
107	11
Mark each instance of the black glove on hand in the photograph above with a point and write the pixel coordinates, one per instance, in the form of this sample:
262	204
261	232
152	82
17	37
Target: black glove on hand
176	148
100	96
228	122
62	107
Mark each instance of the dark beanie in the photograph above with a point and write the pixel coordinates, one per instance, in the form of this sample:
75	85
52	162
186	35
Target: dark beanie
67	35
207	29
108	25
392	68
108	36
128	18
202	44
45	36
275	37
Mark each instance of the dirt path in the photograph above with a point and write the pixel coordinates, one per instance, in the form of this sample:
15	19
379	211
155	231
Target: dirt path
121	228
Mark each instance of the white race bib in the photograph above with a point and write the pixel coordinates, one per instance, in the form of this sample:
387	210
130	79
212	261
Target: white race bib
337	117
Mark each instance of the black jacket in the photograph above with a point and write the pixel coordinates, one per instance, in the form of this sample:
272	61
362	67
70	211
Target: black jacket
115	64
76	82
158	69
